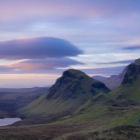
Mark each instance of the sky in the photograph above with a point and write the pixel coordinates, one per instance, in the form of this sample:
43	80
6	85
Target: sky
42	38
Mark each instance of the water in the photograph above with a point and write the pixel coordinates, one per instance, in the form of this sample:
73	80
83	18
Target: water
8	121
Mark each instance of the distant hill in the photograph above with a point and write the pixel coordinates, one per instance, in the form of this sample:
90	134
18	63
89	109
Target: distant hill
113	81
100	78
12	99
70	91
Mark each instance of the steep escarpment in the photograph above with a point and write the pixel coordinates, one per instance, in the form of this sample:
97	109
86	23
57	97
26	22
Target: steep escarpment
132	74
128	93
75	83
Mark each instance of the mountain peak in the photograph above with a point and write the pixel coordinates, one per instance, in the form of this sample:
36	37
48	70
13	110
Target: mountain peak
137	62
73	73
74	83
132	72
73	89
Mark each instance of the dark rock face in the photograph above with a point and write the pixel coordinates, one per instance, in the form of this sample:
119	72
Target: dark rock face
132	72
98	85
75	83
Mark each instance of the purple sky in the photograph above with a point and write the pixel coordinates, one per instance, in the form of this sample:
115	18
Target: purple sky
41	38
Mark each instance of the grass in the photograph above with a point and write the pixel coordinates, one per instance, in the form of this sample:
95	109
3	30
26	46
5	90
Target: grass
125	117
92	113
95	114
128	92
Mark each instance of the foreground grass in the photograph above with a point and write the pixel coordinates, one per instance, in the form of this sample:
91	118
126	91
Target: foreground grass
93	124
91	121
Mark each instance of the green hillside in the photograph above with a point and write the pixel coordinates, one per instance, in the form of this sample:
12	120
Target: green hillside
129	91
70	91
75	97
119	107
77	107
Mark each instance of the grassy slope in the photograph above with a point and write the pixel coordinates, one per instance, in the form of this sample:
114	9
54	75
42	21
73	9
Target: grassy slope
94	115
43	107
128	91
106	116
89	118
98	113
96	110
69	93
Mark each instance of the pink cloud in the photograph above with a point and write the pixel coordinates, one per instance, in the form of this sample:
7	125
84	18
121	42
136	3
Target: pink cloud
43	65
30	11
19	9
25	66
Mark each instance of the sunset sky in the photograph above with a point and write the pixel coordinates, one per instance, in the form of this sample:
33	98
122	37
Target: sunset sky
39	39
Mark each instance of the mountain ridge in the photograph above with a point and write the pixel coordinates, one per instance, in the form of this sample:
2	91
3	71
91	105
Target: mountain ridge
114	114
128	93
71	90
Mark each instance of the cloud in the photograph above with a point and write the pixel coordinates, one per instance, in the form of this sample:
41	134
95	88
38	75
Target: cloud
5	69
37	48
105	71
132	48
37	55
39	65
73	19
118	62
94	8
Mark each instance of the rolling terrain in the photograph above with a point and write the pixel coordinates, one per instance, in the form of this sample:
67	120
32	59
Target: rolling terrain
78	107
13	99
128	93
70	91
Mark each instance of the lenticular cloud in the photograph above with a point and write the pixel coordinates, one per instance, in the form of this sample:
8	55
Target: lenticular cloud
37	48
